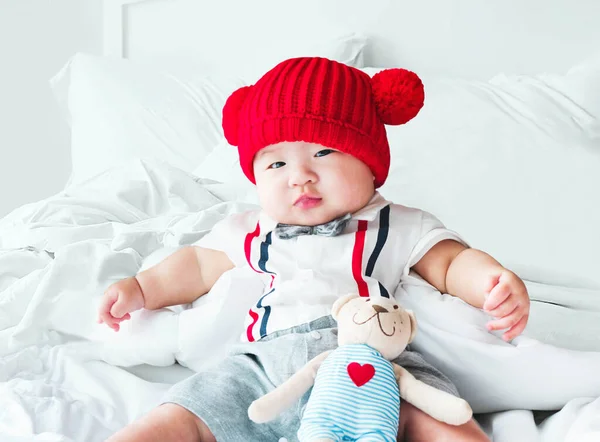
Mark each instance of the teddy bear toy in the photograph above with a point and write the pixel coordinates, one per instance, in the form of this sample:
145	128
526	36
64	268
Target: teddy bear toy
356	389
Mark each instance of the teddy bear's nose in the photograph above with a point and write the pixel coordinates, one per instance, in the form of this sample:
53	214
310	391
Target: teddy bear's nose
379	309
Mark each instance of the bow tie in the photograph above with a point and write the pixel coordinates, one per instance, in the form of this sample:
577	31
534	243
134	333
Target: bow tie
332	228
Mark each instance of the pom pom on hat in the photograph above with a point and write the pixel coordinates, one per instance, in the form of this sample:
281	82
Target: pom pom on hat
398	95
231	114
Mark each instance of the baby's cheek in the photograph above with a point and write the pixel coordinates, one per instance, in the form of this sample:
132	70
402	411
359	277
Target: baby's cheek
356	191
272	205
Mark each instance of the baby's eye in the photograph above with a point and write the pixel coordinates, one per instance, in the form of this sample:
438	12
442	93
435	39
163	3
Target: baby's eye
324	152
276	165
395	307
367	300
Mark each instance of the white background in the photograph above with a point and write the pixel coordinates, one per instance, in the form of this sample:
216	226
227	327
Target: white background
462	37
36	39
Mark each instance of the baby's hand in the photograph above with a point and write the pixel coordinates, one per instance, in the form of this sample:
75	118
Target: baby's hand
120	299
508	302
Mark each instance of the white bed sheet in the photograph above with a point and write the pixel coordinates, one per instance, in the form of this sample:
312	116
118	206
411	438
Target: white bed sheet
65	378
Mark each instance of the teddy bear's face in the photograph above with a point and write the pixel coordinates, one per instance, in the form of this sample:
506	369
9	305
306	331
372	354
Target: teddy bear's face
379	322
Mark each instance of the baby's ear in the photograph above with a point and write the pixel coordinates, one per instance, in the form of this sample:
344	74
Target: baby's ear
337	305
413	325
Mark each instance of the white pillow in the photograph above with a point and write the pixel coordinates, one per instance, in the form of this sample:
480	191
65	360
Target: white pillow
581	83
493	375
512	165
120	110
223	164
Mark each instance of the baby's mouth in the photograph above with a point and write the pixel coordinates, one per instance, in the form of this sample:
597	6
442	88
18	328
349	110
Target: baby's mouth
307	202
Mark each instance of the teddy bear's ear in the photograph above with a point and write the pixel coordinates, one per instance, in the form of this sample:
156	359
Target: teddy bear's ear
413	325
337	305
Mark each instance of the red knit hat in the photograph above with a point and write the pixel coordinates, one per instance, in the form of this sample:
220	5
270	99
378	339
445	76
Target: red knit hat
322	101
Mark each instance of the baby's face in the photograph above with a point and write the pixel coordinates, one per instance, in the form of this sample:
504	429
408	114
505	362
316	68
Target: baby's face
309	184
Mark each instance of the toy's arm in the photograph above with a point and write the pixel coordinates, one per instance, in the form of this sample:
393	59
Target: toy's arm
440	405
268	407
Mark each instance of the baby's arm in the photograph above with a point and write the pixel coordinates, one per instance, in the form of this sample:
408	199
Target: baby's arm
181	278
480	280
458	270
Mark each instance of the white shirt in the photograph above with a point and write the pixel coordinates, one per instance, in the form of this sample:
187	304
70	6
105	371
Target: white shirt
305	275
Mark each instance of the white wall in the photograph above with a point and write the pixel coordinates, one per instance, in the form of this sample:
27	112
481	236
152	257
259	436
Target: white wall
36	38
466	38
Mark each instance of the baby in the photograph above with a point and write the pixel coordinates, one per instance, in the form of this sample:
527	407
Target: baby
311	136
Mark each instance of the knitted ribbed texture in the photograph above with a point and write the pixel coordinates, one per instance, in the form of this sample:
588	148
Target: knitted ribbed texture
309	99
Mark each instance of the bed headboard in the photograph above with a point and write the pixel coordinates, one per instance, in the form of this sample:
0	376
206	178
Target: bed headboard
471	38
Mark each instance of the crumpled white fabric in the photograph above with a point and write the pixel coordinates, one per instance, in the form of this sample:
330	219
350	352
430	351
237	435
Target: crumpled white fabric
59	370
62	375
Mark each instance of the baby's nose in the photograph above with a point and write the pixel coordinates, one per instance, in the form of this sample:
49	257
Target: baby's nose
379	309
301	176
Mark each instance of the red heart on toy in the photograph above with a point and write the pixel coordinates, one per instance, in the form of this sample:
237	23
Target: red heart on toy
360	374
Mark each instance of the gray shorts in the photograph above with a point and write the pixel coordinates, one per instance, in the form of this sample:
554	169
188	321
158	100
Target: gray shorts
220	395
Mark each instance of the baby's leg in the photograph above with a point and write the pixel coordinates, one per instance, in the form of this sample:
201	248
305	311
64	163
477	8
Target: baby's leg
416	426
166	422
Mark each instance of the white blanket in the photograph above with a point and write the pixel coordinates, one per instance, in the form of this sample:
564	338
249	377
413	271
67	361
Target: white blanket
61	375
